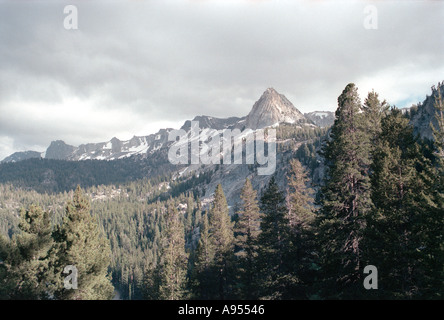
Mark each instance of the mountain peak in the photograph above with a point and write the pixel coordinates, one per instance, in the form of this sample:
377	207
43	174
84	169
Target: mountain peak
271	91
272	108
58	150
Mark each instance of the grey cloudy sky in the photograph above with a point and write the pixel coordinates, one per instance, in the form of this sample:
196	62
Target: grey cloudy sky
133	67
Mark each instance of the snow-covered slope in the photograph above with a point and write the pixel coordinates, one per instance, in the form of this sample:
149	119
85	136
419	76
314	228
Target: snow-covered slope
109	150
321	118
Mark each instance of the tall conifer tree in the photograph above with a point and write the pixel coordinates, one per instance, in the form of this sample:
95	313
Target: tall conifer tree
173	261
345	199
300	216
299	197
247	229
273	244
203	280
30	261
82	244
431	200
398	229
222	241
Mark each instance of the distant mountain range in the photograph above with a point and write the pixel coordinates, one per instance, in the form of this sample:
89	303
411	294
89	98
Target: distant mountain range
271	109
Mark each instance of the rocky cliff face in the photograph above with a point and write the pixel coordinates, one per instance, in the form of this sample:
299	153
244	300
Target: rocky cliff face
273	108
207	122
59	150
424	113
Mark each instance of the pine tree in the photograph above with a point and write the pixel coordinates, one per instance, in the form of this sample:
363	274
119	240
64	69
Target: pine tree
81	244
247	229
300	217
374	110
30	260
345	200
398	229
222	241
273	244
5	283
299	197
189	214
203	280
436	219
151	282
173	261
431	200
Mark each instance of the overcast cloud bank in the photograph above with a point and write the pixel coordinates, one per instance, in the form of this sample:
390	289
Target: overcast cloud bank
133	67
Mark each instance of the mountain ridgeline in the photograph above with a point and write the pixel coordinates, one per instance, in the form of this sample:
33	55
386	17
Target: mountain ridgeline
271	109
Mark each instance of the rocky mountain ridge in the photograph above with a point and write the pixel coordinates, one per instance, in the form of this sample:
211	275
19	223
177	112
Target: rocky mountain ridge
321	118
270	110
423	114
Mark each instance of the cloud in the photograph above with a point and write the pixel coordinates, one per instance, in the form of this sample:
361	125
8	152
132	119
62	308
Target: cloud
134	67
